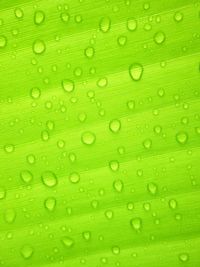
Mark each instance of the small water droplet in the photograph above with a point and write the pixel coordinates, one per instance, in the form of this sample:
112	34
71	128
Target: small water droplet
182	138
50	203
109	214
3	41
136	224
118	185
27	251
131	24
39	47
10	215
115	126
102	82
152	188
89	52
147	143
19	13
65	17
68	85
115	250
39	17
74	177
49	179
136	71
159	37
2	193
9	148
88	138
178	16
86	235
26	176
35	93
67	241
183	257
45	135
173	204
114	165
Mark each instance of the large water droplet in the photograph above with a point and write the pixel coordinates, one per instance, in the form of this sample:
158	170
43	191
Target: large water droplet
105	24
172	204
159	37
68	85
19	13
49	179
39	47
114	165
74	177
136	71
88	138
115	126
9	148
131	24
183	257
35	93
136	224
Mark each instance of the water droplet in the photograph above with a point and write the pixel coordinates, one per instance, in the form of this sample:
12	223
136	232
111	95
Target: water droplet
50	125
31	159
67	241
2	193
45	135
39	47
118	185
39	17
88	138
26	176
103	82
183	257
10	215
50	203
65	17
178	16
114	165
89	52
105	24
136	224
86	235
182	138
27	251
122	40
49	179
147	143
157	129
74	177
68	85
35	93
19	13
115	250
152	188
9	148
131	24
136	71
3	41
173	204
130	206
159	37
115	125
109	214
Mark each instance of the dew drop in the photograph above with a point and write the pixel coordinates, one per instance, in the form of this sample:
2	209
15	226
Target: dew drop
39	17
136	71
178	16
86	235
152	188
35	93
122	40
118	185
182	138
39	47
3	41
74	177
115	126
147	143
19	13
136	224
89	52
10	215
88	138
172	204
65	17
67	241
50	203
115	250
27	251
49	179
159	37
2	193
26	176
68	85
183	257
131	24
45	135
114	165
109	214
9	148
102	82
105	24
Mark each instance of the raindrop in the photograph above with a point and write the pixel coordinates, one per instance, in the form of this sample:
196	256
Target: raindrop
105	24
49	179
39	47
88	138
115	126
68	85
136	71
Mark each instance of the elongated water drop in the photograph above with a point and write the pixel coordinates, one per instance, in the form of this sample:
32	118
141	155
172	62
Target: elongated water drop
136	71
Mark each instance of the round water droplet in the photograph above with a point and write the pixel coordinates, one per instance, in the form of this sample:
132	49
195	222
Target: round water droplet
31	159
159	37
172	204
49	179
115	126
26	176
19	13
89	52
74	177
45	135
136	224
67	241
118	185
35	93
122	40
147	143
136	71
130	206
103	82
115	250
65	17
68	85
109	214
26	251
50	203
157	129
131	104
39	17
86	235
88	138
50	125
131	24
183	257
182	138
114	165
2	193
105	24
39	47
152	188
9	148
178	16
10	215
3	41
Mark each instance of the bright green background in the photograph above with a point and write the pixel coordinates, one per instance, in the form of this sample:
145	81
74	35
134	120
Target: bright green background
167	95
